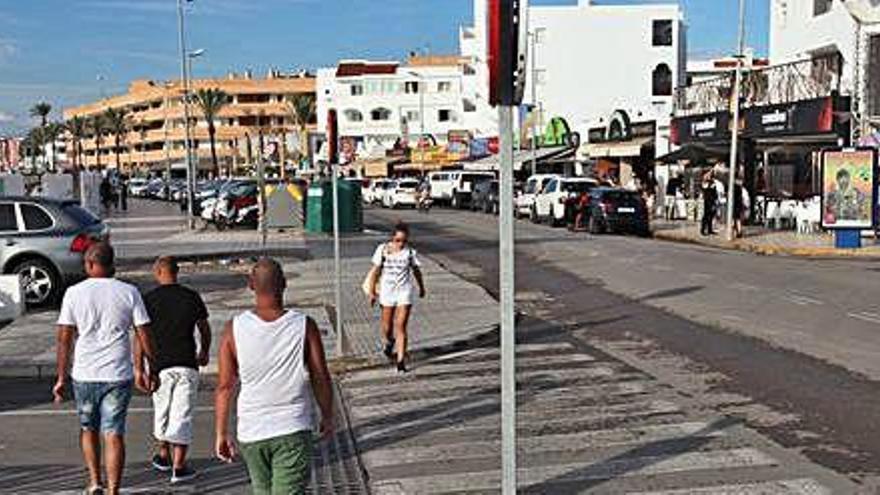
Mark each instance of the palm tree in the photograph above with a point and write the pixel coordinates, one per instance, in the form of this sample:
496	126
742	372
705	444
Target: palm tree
77	127
211	102
302	108
118	123
32	145
41	111
97	126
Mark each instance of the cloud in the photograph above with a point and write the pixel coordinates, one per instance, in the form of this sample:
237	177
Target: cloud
6	117
8	50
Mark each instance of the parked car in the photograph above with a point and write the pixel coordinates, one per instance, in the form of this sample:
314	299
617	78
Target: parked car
550	204
533	186
614	210
155	189
375	191
399	193
43	243
137	187
455	187
485	197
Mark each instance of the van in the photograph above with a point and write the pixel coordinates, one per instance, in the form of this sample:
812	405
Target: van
456	186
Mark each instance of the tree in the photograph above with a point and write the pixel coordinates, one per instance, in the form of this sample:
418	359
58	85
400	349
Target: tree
32	145
77	127
51	132
97	126
303	111
211	102
118	123
41	111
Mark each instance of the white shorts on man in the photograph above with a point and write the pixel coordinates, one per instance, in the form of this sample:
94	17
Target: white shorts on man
173	405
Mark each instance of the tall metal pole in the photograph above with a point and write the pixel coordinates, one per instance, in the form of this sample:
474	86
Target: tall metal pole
184	80
508	329
734	138
337	267
534	104
422	88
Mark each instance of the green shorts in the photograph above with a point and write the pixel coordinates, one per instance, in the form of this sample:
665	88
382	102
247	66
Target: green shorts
280	465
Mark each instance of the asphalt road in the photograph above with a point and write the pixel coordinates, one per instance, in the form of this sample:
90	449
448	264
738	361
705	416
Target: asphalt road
789	345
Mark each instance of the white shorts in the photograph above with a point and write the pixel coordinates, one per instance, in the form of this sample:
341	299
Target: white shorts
390	298
173	405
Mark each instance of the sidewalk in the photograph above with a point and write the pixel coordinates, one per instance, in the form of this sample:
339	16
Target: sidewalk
766	242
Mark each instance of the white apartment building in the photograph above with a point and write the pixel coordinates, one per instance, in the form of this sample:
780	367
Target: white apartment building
380	104
806	29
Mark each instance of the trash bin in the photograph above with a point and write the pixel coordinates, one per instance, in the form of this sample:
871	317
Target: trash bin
319	214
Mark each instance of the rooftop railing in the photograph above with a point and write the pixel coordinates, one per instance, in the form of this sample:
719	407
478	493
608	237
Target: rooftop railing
786	83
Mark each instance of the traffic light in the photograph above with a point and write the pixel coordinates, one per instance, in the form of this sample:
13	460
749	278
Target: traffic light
507	44
332	137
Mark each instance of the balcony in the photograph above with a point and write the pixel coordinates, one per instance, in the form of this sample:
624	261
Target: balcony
780	84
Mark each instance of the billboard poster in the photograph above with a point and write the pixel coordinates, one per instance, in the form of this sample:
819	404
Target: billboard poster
849	188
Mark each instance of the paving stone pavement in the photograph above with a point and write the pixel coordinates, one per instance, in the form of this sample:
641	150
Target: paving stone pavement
587	423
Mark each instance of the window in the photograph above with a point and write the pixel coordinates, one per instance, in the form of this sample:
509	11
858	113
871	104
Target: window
540	35
411	87
356	89
662	33
353	115
444	87
662	81
35	218
469	70
380	114
469	106
550	186
821	7
412	115
444	115
7	217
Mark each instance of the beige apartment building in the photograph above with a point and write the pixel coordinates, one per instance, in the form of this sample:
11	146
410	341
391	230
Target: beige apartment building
156	139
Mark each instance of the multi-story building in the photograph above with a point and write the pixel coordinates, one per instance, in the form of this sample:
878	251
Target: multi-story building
381	105
811	29
156	114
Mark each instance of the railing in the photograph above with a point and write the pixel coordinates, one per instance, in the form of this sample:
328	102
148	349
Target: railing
786	83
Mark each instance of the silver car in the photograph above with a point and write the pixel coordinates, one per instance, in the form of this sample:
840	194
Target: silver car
43	241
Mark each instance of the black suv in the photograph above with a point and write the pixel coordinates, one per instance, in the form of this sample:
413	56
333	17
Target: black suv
485	196
613	210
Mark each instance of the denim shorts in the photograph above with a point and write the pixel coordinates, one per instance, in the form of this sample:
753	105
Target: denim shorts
102	405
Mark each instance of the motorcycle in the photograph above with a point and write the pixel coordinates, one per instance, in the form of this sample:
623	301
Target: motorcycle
424	203
243	211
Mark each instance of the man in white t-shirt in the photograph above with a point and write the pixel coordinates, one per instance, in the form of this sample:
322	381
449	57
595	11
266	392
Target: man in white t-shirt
99	313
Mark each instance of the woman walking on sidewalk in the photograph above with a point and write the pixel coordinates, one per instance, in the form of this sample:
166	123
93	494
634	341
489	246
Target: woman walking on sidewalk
395	276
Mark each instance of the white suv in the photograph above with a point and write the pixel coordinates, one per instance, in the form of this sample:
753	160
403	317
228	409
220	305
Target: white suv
401	193
533	186
550	204
455	187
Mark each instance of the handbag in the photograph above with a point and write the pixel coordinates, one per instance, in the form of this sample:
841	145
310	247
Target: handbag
370	285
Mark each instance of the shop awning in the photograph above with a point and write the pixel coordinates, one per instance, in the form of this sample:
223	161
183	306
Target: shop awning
694	153
623	149
520	157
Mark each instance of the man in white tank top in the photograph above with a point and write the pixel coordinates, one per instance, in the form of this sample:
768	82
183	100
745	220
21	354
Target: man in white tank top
277	358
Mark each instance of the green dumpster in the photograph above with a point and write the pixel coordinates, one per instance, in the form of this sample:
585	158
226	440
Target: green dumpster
319	214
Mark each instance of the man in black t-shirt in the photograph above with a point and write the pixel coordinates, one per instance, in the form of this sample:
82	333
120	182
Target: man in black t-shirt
175	312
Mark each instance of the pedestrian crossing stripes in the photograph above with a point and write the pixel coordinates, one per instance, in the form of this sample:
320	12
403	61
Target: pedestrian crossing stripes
783	487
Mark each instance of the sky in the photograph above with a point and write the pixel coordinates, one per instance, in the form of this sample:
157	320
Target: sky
69	52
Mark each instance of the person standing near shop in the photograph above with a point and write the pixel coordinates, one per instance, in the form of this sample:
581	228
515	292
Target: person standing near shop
276	358
98	314
175	311
710	199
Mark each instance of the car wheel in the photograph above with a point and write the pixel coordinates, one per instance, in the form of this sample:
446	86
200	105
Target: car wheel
40	283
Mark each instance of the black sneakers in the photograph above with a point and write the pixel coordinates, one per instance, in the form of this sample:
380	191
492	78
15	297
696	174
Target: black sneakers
388	350
182	475
161	464
95	490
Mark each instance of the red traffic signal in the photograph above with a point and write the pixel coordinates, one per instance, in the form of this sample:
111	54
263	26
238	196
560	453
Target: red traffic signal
508	32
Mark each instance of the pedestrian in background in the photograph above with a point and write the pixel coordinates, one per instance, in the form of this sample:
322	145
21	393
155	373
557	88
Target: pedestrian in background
394	278
98	314
710	198
738	209
276	357
176	311
123	192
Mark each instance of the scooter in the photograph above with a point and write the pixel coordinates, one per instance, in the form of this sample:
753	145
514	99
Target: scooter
425	203
236	212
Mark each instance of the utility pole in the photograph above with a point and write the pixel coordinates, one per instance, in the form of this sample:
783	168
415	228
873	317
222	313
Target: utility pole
508	320
734	138
535	112
184	81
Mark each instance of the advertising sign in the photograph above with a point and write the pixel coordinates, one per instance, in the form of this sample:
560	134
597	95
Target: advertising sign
849	188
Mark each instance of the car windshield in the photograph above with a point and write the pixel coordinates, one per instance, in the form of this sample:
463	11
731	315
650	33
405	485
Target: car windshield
474	177
577	187
80	215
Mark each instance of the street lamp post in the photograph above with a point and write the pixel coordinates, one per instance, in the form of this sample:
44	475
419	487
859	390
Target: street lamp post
533	38
185	82
734	138
421	89
191	177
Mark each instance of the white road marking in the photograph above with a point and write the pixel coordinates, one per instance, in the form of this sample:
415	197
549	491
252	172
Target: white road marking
805	298
802	300
700	276
157	219
732	318
802	486
745	287
866	316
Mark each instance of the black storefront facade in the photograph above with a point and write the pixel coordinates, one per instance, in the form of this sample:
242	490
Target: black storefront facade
779	144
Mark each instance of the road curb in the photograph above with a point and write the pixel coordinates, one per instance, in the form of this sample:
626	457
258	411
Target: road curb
778	251
294	252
